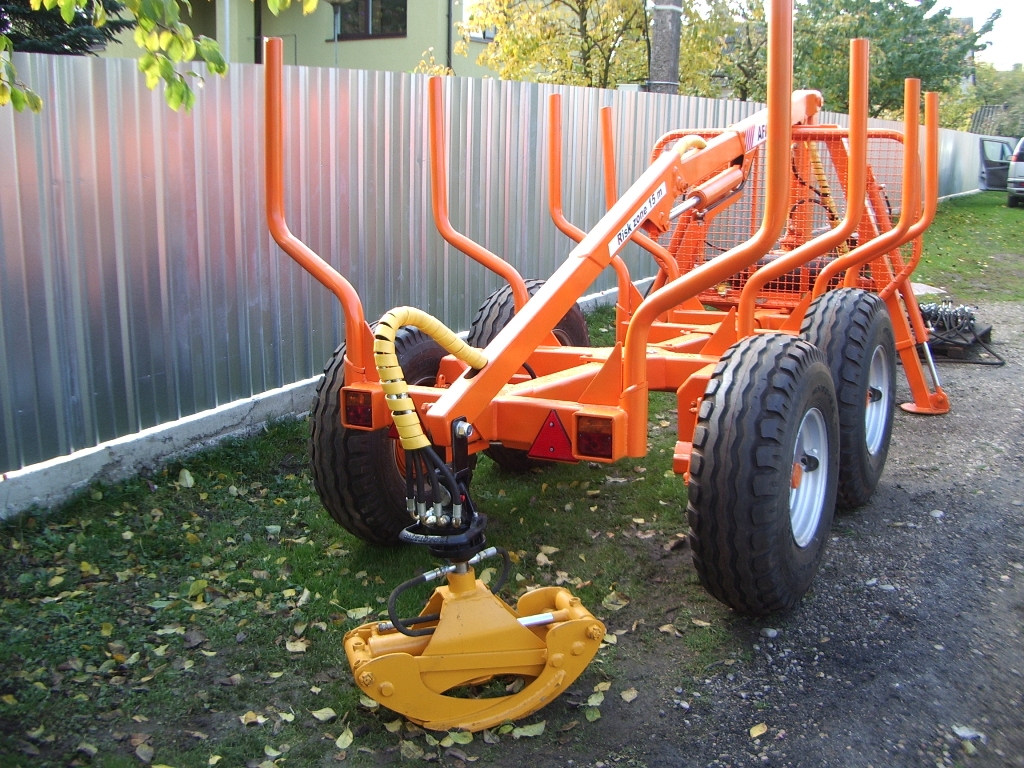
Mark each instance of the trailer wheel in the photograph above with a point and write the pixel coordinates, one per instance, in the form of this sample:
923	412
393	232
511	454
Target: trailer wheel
763	473
852	327
359	475
493	315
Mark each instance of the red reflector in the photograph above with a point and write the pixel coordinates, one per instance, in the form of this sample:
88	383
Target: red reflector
594	437
552	442
358	409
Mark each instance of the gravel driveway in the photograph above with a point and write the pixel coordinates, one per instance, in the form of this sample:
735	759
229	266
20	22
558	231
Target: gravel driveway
910	648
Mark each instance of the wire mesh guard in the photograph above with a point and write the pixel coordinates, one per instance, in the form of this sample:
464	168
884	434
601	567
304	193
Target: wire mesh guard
817	188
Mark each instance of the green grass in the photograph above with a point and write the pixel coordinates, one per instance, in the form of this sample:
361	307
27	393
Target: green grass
975	249
165	609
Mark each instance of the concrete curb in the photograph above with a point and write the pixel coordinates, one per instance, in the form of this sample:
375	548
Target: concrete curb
48	483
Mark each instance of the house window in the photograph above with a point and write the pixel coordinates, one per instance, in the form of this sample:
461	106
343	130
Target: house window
360	19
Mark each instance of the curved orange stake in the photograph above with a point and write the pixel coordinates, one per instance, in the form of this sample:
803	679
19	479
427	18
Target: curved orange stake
624	304
780	86
910	195
856	187
359	343
439	199
661	255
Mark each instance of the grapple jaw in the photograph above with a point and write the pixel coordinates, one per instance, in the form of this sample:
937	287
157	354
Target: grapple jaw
548	639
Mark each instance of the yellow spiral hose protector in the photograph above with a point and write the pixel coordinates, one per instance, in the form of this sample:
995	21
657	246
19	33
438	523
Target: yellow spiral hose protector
392	379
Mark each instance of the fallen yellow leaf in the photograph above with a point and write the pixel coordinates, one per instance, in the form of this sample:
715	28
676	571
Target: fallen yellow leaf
106	628
325	714
251	717
700	623
629	694
758	730
345	740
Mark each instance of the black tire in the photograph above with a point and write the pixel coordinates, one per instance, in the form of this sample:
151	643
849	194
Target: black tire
853	328
493	315
1012	201
355	472
757	542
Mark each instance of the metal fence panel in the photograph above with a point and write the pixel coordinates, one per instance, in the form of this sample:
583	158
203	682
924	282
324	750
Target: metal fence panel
138	283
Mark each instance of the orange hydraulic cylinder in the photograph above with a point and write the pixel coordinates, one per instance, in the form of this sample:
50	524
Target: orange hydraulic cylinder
359	349
857	169
909	198
777	160
439	199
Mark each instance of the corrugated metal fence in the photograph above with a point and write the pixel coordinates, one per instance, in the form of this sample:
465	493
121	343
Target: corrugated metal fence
138	283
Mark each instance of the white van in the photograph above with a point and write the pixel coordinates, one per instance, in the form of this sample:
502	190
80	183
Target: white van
1015	177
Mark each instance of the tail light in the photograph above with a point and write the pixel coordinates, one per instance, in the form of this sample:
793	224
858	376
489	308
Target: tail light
594	437
358	408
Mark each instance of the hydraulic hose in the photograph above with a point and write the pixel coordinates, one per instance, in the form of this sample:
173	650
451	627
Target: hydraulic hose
396	390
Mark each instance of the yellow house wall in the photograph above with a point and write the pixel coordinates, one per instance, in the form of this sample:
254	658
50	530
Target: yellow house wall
307	38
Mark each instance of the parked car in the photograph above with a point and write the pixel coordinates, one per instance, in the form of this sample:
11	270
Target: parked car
1015	177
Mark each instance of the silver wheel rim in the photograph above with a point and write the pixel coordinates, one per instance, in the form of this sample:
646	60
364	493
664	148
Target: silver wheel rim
876	410
809	477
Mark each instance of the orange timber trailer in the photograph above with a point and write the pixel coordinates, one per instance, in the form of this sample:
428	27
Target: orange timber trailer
772	362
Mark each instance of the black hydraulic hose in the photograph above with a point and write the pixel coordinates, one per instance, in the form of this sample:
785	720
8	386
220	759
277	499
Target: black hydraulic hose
421	492
405	625
410	476
446	474
506	568
401	624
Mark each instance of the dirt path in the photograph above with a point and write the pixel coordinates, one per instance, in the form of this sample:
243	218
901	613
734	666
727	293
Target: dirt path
910	649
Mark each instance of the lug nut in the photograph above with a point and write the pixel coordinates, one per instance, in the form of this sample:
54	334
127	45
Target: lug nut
464	429
366	679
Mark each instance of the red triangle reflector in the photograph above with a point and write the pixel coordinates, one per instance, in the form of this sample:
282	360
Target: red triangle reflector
552	442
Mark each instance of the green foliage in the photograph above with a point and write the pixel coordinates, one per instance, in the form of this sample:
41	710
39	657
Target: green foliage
724	46
12	90
46	31
905	42
599	43
1007	88
159	31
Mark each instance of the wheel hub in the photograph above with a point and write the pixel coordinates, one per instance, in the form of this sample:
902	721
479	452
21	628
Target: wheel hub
809	478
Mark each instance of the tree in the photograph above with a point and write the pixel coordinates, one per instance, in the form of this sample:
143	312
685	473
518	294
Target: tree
724	49
905	42
45	31
599	43
160	32
1006	88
